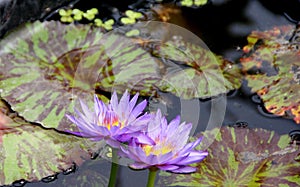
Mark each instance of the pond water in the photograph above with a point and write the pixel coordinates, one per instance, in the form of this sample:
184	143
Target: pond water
224	28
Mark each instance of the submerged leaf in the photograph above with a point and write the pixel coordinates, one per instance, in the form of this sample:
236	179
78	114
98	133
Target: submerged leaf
243	157
30	153
272	66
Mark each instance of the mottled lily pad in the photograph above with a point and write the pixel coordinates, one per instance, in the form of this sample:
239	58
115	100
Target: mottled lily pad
29	152
45	67
37	68
243	157
192	71
272	65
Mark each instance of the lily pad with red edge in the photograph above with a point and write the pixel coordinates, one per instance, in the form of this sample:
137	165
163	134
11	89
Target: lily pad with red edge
30	152
271	66
242	157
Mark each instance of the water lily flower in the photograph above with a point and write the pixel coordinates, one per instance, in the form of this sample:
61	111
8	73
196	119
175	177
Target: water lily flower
171	152
116	122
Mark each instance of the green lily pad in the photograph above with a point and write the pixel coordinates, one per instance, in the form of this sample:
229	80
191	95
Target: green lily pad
29	152
272	70
243	157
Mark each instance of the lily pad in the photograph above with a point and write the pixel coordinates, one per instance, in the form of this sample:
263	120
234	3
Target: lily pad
243	157
37	68
192	71
272	69
29	152
46	70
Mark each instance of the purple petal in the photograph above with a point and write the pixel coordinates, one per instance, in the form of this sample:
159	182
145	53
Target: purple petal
177	159
139	166
99	106
112	143
138	109
86	110
114	100
188	147
162	159
173	125
151	159
132	102
185	169
123	105
114	129
167	167
144	139
193	157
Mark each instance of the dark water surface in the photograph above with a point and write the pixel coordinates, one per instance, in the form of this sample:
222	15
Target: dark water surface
223	28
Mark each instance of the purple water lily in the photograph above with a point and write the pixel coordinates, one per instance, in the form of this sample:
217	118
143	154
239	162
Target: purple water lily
116	122
171	152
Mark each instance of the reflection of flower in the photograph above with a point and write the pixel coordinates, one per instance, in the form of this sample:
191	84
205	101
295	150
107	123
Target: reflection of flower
170	151
116	122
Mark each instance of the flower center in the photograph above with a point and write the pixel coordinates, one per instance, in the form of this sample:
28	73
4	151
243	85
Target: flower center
160	148
110	119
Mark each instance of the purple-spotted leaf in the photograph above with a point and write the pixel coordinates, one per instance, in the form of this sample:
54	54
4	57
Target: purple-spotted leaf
272	65
243	157
29	152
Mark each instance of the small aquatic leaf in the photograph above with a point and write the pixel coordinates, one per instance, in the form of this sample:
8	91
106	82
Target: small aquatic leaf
127	21
242	157
98	22
65	15
30	153
272	66
133	15
196	3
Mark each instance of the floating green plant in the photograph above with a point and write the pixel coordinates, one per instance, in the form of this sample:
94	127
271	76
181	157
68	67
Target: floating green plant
131	17
66	15
71	15
90	14
78	14
107	25
190	3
